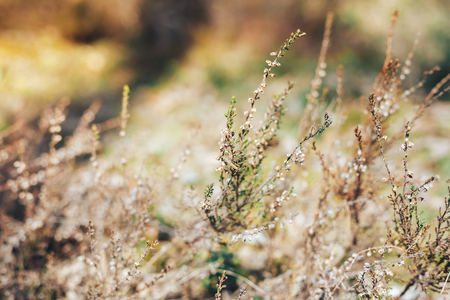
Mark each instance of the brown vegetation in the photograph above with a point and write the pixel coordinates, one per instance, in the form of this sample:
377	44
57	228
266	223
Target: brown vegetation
123	225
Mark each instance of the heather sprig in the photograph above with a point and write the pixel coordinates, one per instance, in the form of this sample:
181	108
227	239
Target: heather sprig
242	155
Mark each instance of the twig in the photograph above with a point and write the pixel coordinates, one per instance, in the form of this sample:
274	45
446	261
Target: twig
445	283
257	288
311	134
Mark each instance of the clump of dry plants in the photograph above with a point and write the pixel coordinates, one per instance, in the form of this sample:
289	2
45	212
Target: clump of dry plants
80	228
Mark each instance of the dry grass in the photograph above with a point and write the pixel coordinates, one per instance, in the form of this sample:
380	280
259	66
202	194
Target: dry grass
338	217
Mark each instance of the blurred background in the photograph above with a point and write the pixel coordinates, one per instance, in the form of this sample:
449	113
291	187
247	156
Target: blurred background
185	59
90	49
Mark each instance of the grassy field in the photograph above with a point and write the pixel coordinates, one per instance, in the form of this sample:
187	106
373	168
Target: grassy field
327	178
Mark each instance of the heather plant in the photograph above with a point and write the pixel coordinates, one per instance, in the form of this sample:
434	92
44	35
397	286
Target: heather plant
79	223
242	153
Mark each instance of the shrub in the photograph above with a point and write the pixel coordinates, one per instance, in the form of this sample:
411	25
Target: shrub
75	228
